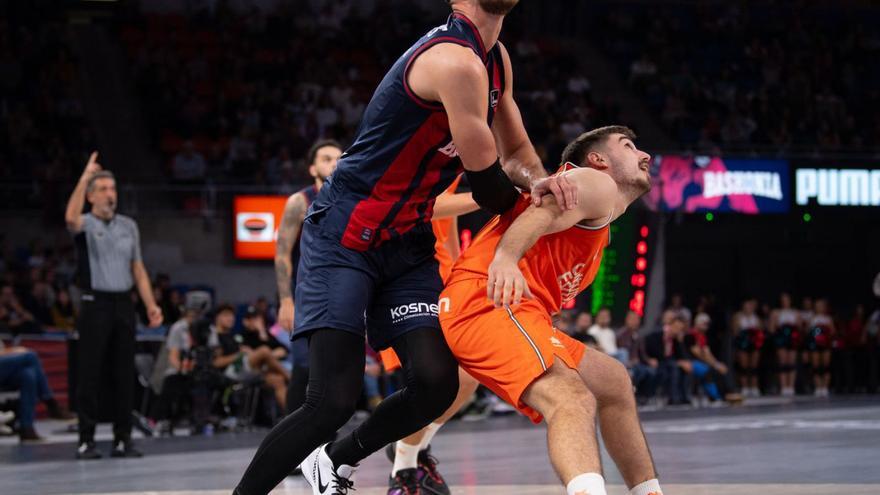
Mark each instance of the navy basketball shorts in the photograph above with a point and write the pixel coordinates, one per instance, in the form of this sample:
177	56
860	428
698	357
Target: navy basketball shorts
381	293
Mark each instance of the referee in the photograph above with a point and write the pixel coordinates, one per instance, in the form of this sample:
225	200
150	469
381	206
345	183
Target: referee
108	265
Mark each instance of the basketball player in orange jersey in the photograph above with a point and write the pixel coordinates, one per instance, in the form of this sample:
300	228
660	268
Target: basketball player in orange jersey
529	261
414	469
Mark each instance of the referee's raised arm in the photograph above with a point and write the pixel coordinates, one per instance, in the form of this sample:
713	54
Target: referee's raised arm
109	265
73	215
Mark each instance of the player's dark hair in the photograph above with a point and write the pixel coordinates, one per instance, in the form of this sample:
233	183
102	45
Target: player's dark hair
576	151
313	151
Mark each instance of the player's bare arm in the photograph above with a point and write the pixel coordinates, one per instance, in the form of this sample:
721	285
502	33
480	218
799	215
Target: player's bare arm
449	205
518	156
597	195
291	222
455	76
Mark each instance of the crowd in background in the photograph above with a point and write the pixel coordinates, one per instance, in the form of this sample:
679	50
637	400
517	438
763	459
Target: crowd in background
756	349
44	129
234	97
750	75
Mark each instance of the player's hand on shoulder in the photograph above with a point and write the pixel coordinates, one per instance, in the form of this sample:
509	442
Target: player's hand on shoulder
564	190
507	285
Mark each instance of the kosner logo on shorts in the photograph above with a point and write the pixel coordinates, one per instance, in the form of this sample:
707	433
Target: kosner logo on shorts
418	309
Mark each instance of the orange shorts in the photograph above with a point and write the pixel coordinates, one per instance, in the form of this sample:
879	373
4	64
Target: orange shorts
506	349
390	361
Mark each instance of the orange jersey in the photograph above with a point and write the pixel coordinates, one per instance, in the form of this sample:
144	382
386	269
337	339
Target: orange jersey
557	268
446	232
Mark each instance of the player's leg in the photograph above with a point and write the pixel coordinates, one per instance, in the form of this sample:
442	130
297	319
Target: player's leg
299	375
336	377
334	289
411	456
570	411
619	423
431	383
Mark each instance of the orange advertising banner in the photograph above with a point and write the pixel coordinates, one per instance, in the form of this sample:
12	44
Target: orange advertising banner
256	220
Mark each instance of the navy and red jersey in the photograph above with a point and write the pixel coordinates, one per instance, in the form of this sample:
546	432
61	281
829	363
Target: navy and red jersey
310	193
403	156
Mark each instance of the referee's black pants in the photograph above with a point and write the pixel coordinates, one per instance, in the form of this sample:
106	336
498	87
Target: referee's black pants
106	345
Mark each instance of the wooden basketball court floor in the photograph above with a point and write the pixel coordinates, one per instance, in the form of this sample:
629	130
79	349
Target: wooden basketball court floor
775	448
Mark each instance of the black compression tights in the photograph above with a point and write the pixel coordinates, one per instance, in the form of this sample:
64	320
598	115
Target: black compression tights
336	362
296	389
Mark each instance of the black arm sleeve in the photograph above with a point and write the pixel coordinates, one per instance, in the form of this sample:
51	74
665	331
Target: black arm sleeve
493	189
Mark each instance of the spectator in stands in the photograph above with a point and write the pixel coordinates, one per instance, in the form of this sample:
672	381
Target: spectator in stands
13	317
749	336
821	332
256	336
605	336
785	325
642	369
240	362
63	312
702	363
188	165
628	338
39	303
580	329
665	352
265	311
172	379
677	306
20	369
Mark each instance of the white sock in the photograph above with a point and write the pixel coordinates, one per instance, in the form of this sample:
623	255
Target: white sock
586	484
650	487
430	431
406	456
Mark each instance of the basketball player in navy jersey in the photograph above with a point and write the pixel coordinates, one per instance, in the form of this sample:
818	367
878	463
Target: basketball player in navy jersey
367	265
322	158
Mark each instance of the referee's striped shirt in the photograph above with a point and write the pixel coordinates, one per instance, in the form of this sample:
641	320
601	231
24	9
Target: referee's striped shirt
105	251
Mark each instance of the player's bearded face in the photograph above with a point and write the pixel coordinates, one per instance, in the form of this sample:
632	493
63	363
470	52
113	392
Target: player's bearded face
498	7
630	166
